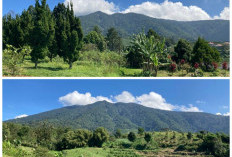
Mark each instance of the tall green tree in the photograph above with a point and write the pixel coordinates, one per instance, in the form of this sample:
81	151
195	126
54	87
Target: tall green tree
183	50
12	31
69	35
42	33
114	41
204	54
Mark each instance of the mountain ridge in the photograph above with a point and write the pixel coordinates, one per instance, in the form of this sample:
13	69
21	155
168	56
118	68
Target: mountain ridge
128	116
133	23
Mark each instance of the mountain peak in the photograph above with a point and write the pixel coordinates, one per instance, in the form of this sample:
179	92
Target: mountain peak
128	116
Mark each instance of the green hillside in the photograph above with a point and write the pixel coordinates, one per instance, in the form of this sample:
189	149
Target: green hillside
127	24
128	117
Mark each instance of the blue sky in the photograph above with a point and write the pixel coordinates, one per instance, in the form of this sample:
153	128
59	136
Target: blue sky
34	96
211	7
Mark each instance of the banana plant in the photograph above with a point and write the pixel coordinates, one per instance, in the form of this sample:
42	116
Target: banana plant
149	48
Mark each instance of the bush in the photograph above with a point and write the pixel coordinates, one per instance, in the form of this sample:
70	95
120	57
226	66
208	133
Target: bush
11	150
103	58
148	137
131	136
13	57
213	145
173	67
42	151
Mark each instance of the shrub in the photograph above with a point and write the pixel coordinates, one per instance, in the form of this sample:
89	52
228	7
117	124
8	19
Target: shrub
196	65
140	131
225	65
213	144
42	151
148	137
131	136
215	65
173	67
13	57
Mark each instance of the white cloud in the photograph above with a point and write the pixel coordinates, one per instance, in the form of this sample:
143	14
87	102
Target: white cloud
21	116
225	14
76	98
169	10
84	7
154	100
166	10
125	97
191	108
225	114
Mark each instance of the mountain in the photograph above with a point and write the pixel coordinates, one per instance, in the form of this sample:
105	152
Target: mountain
128	116
132	23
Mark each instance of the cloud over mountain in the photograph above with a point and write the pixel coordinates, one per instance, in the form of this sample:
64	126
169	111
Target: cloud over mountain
152	100
165	10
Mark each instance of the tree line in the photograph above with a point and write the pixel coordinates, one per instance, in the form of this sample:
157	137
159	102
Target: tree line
51	33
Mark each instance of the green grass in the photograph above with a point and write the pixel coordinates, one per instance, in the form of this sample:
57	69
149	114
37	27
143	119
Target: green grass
86	152
84	68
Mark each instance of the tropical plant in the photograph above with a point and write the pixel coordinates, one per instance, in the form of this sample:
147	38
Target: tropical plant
150	48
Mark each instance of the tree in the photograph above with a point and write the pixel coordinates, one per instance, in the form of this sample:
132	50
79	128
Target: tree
114	41
12	31
183	50
148	137
118	133
94	37
42	33
151	32
140	131
131	136
204	54
69	33
97	29
100	135
44	133
27	23
75	139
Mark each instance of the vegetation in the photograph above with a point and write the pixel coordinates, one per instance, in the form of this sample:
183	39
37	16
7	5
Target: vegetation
55	38
25	141
125	117
132	23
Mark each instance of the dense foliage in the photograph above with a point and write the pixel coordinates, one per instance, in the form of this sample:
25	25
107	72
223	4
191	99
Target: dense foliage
125	117
25	141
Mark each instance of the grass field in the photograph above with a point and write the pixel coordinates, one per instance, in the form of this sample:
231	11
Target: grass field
58	68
